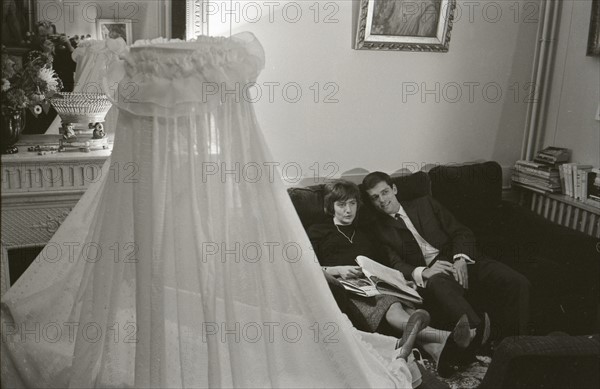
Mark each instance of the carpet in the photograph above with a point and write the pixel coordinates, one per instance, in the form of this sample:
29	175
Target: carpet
469	377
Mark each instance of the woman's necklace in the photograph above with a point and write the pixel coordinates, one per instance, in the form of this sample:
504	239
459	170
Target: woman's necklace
346	236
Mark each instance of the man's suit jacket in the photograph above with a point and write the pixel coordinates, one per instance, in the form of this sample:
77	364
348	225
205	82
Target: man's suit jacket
435	224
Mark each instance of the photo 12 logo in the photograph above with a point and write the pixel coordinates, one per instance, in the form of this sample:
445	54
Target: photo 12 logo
467	91
53	332
271	11
269	332
271	91
496	11
266	172
73	11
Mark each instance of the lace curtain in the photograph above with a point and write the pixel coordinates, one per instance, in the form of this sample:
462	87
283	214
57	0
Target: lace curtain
185	265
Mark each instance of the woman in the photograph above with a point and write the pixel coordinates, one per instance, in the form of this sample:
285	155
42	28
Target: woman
338	243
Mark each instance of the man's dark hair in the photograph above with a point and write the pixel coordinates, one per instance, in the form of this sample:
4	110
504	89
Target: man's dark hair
372	179
339	190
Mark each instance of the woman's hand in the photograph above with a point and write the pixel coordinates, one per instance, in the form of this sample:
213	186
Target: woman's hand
345	272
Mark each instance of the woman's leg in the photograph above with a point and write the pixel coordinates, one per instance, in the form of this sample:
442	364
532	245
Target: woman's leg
431	340
397	317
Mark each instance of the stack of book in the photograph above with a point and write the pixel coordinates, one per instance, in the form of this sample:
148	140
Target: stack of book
553	156
551	172
540	177
575	177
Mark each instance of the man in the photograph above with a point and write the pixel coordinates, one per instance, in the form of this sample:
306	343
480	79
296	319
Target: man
428	245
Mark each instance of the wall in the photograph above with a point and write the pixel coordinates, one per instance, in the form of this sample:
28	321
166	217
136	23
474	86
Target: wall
79	16
575	90
376	123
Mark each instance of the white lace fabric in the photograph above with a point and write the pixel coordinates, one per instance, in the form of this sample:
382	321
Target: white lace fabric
93	57
176	76
185	265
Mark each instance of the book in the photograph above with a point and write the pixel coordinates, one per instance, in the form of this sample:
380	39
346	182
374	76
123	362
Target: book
380	279
531	188
543	184
553	155
593	187
582	177
569	178
593	202
579	170
543	171
551	181
532	164
561	174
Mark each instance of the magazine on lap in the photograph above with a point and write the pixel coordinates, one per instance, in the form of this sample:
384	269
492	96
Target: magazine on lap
380	279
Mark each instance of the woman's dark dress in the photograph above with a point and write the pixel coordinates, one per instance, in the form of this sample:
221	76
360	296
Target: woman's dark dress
333	249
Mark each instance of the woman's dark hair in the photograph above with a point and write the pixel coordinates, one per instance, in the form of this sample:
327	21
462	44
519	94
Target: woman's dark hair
339	190
372	179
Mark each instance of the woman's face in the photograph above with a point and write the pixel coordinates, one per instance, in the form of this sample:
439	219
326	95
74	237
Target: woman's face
345	211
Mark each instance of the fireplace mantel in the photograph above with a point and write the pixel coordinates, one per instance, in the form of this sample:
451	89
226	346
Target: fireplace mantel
39	191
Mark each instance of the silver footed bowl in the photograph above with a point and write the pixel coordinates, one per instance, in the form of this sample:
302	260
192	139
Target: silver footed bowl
78	107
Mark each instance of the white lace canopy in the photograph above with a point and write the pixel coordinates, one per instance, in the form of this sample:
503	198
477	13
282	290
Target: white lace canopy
185	265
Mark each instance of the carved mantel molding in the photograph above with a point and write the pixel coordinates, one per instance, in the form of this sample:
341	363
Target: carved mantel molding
39	191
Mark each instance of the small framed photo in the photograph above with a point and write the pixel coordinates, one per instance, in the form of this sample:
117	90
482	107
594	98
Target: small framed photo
410	25
114	28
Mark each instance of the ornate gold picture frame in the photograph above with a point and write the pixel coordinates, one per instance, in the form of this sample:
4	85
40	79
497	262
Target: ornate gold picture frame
410	25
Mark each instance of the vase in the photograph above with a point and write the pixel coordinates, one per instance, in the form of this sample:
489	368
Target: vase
12	126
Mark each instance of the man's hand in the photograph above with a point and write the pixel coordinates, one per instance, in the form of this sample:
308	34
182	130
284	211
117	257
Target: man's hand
345	272
439	267
460	273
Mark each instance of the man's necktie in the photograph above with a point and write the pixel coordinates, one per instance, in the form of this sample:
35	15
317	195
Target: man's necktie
400	220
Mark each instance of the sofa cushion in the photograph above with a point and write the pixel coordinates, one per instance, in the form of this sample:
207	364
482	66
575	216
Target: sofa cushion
472	192
309	204
412	186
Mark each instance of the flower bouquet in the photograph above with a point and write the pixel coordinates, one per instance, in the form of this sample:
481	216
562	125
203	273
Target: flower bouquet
25	85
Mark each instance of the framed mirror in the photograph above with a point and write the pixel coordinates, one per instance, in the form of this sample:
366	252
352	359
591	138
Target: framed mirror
18	18
593	47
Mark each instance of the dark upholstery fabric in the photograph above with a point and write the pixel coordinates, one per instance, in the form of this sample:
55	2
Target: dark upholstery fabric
309	205
463	186
561	264
545	362
412	186
469	191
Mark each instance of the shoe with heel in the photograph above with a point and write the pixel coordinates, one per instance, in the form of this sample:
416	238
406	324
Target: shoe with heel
482	336
455	346
417	321
460	349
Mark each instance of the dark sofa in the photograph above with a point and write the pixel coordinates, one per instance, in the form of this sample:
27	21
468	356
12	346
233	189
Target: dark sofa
562	265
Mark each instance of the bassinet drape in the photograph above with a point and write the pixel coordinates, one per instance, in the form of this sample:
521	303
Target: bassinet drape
185	265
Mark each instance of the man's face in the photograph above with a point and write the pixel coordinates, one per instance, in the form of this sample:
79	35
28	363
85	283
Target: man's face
384	198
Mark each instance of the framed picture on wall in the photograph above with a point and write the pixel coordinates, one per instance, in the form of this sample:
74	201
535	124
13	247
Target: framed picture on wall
114	28
18	18
410	25
594	37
